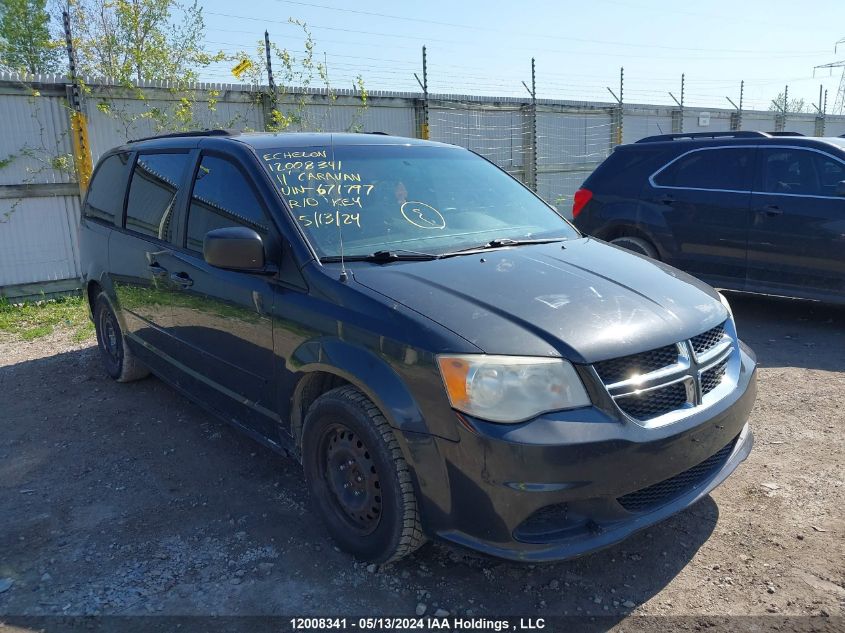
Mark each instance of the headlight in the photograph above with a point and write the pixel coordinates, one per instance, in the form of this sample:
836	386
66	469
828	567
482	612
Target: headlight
510	388
726	304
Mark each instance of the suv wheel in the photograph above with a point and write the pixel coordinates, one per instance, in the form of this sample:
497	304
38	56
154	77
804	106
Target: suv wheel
637	245
118	359
358	479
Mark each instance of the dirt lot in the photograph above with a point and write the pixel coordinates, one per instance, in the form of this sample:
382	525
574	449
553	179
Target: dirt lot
127	499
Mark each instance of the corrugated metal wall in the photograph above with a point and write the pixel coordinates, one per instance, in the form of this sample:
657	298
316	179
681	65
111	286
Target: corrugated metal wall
38	241
38	235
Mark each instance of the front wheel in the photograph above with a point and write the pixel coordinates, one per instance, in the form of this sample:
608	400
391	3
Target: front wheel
358	479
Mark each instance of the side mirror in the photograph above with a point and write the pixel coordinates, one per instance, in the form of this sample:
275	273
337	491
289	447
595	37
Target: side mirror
236	248
840	188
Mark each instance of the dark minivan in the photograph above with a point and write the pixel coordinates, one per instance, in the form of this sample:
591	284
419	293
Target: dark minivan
442	351
746	211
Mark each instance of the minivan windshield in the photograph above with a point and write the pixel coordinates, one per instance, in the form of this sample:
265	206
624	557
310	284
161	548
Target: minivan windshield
419	199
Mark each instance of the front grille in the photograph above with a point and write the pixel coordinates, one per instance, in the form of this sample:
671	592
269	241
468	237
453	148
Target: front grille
650	404
712	378
703	343
619	369
665	491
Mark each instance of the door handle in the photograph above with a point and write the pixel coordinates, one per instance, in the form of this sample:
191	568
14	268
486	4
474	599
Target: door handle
666	200
157	270
181	279
770	210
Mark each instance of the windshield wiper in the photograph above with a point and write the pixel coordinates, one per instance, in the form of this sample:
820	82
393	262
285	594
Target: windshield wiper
384	256
501	242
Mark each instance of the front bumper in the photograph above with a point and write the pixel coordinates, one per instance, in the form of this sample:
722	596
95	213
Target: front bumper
569	483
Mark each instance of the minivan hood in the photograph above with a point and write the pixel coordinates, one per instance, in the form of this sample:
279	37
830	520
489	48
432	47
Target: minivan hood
582	299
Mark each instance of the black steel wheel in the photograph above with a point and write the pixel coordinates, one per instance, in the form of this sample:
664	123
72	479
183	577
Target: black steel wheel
359	481
350	473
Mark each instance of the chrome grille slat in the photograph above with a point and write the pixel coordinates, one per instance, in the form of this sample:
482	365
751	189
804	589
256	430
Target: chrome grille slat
660	385
621	369
651	404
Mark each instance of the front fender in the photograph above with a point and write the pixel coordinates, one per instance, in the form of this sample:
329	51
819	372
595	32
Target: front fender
373	374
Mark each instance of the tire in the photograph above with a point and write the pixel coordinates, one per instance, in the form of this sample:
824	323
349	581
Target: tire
118	359
636	245
359	482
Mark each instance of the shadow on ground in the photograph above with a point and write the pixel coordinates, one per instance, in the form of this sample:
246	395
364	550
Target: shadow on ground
791	333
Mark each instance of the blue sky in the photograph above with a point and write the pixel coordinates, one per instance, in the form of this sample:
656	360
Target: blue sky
486	47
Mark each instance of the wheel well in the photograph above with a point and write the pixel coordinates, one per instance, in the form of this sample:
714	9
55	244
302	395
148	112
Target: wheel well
91	292
626	230
310	387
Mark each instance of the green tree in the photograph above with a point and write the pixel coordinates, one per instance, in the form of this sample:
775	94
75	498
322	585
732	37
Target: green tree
793	105
25	41
294	76
130	41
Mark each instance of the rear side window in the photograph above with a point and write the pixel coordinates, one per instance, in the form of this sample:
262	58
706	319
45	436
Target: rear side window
107	189
801	172
222	197
725	168
152	194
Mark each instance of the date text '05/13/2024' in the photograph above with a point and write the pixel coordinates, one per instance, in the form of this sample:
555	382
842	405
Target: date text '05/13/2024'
431	623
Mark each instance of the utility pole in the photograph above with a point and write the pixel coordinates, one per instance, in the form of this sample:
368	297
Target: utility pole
78	124
531	163
678	123
618	117
736	117
839	102
425	130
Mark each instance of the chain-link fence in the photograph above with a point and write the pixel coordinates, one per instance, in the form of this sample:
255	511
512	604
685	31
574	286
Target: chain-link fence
551	144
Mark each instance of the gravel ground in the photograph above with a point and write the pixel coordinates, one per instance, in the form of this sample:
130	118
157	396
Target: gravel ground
128	499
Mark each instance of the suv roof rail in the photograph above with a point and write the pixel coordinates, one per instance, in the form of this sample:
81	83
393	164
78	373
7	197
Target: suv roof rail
785	134
186	134
694	135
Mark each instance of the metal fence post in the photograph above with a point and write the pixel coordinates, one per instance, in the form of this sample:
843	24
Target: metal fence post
422	108
533	179
820	117
736	117
268	100
618	114
780	117
78	123
678	116
530	127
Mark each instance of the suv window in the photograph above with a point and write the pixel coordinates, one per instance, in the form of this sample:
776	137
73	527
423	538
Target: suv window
800	171
107	189
152	194
221	197
723	168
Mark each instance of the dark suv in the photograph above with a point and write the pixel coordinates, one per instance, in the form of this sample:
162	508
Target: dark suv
745	211
442	351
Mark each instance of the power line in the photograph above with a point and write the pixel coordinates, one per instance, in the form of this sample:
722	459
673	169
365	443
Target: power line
425	38
556	37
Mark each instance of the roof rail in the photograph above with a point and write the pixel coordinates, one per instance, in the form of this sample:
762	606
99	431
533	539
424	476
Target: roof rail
186	134
785	134
694	135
